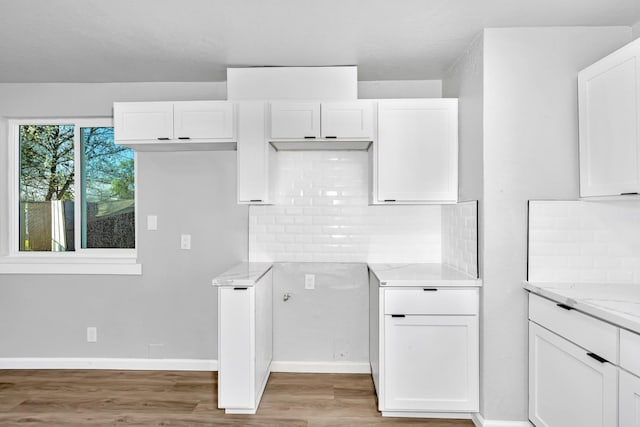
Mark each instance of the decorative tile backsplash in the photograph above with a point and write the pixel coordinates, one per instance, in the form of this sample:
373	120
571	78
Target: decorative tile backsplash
460	237
321	214
584	241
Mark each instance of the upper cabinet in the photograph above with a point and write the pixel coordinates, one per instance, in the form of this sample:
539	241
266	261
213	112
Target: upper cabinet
174	126
415	160
609	124
326	121
295	120
256	158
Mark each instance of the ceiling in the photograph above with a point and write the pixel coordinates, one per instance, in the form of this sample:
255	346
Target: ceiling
196	40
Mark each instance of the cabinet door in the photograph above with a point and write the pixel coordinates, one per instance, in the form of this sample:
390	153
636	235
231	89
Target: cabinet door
350	120
203	120
417	151
629	400
567	387
295	120
236	348
431	363
254	153
138	121
609	113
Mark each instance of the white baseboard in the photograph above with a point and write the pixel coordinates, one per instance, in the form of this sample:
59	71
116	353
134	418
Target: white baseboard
109	363
479	421
321	367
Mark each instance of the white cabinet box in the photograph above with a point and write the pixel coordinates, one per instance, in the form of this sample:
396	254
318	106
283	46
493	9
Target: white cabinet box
174	126
629	400
629	391
322	125
424	350
255	158
415	159
609	124
245	344
570	385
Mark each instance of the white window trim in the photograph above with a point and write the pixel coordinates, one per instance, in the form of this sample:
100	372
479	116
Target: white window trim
80	261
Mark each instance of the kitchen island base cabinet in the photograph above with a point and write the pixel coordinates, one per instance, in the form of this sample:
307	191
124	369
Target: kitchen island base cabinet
568	386
245	336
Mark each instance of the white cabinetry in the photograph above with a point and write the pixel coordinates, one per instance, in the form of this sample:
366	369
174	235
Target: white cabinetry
415	159
322	120
629	392
173	126
570	384
256	158
245	349
609	113
424	350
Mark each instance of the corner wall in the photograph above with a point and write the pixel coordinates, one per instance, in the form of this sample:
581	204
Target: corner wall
529	150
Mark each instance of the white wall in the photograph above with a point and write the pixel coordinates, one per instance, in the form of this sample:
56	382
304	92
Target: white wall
529	149
172	303
400	89
636	30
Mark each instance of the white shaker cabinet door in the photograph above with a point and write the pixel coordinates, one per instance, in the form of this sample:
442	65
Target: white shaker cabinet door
567	386
417	151
431	363
629	400
143	121
295	120
254	154
203	120
347	120
609	124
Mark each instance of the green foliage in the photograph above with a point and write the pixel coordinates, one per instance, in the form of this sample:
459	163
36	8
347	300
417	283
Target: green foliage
47	164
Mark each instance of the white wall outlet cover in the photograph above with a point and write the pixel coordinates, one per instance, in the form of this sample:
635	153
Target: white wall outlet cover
185	241
152	222
309	281
92	334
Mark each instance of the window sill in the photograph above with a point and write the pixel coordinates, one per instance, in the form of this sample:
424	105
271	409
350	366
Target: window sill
118	266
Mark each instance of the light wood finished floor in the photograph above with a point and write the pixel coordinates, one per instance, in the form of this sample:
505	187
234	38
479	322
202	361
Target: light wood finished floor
91	398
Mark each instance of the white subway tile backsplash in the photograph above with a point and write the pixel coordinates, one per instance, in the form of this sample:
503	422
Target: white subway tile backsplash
584	241
321	214
459	237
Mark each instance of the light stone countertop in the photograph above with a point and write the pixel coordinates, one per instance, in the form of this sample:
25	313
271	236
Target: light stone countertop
615	303
242	275
425	274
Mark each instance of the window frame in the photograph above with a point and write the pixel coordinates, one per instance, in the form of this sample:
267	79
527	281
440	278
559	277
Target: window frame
107	260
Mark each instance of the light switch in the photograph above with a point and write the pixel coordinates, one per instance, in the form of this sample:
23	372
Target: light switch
152	222
185	241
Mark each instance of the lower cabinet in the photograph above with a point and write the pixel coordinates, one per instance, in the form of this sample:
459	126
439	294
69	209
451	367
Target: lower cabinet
430	362
424	350
629	400
568	385
245	349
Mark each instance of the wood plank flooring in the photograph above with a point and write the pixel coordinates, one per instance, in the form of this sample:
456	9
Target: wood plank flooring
90	398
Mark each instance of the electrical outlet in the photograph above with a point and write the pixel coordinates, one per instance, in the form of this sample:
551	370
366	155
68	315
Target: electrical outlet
92	334
152	222
309	281
185	241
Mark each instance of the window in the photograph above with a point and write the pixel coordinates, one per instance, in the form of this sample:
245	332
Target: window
73	190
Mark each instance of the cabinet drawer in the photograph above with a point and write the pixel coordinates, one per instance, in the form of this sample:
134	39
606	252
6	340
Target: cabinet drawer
630	351
588	332
430	301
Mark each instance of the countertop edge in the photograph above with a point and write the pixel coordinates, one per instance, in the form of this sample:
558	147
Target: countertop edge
609	316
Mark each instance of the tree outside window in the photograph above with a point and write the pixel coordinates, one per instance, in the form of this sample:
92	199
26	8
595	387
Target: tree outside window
74	179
